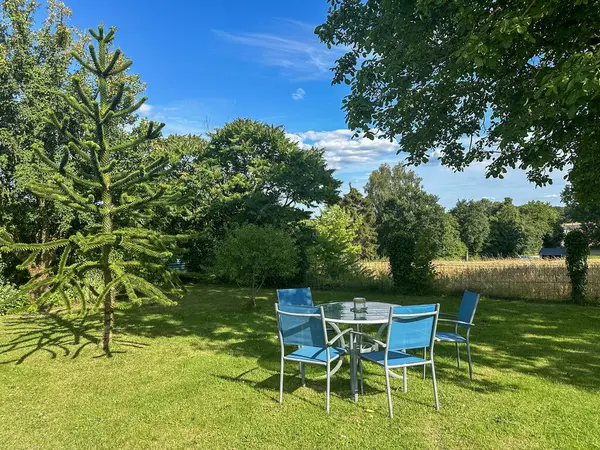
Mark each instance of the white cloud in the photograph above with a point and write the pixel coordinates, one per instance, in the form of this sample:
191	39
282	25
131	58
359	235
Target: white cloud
343	150
299	94
552	196
145	109
295	50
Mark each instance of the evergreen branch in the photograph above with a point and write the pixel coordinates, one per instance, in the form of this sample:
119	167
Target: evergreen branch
110	36
66	300
131	109
93	33
84	64
145	250
20	246
67	173
30	259
144	174
75	149
117	98
147	288
80	294
112	62
5	237
63	260
77	199
140	203
80	107
82	96
105	292
122	68
99	68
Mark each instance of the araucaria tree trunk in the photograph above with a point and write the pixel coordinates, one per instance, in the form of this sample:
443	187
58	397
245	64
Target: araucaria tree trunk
89	178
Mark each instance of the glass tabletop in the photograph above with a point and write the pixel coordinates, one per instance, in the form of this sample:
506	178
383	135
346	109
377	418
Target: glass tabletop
343	312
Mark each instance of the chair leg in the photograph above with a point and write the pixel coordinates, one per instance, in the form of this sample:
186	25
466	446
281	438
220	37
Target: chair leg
425	358
469	357
302	374
328	387
281	383
457	355
362	387
404	380
389	392
435	392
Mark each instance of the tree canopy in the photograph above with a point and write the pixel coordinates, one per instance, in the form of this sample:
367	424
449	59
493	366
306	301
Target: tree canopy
512	83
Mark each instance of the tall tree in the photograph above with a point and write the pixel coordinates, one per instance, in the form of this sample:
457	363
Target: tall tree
402	205
87	179
473	224
35	65
507	237
518	79
540	224
452	246
249	172
361	211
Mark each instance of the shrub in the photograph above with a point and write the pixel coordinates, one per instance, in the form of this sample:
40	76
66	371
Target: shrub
578	251
334	255
411	262
251	253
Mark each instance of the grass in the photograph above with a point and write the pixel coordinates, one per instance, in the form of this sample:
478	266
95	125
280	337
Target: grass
204	374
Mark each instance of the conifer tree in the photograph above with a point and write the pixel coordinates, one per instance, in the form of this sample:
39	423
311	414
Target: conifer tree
88	178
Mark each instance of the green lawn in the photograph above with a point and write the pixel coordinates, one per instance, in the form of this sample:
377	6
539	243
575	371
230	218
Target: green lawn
204	374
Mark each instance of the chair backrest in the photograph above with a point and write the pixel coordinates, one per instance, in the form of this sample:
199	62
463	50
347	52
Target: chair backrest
468	306
301	325
300	296
412	326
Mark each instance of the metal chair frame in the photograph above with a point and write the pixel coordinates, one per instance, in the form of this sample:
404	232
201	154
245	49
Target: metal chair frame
329	343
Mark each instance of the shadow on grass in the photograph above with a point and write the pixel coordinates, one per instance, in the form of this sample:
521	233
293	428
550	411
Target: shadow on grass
52	334
556	342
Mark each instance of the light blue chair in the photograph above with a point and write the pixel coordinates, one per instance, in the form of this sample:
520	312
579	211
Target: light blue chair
464	320
305	327
409	328
298	297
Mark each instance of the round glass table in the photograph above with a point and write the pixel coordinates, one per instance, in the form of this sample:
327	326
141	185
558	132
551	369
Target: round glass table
345	313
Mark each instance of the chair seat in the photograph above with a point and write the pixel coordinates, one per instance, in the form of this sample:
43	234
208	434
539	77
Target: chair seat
395	358
444	336
315	355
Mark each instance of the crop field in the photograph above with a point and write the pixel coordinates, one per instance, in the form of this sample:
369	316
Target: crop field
509	278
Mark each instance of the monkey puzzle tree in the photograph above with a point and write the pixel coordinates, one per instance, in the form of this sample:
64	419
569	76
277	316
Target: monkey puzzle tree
89	178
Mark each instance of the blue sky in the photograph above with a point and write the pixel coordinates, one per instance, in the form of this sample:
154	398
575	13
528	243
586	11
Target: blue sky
209	62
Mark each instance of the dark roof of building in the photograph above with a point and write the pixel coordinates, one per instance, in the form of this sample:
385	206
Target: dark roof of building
560	251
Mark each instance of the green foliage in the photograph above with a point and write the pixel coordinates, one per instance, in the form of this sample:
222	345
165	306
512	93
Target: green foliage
520	78
246	172
507	238
335	253
402	205
33	68
473	223
451	246
362	212
578	251
89	179
252	253
410	262
587	215
539	221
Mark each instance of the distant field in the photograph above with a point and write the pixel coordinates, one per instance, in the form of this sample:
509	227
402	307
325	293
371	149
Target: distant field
509	278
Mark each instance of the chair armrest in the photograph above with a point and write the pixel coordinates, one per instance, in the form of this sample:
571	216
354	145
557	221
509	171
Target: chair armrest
369	338
459	322
339	335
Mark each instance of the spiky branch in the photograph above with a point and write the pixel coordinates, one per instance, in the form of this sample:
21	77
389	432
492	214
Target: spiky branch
87	178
